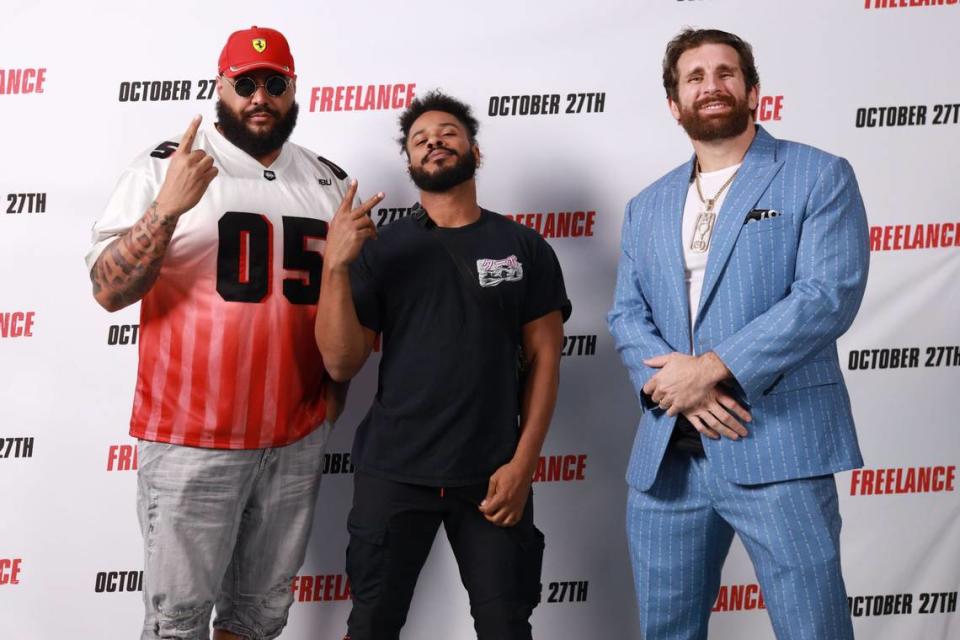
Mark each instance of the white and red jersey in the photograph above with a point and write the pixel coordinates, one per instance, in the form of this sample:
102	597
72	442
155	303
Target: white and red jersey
228	358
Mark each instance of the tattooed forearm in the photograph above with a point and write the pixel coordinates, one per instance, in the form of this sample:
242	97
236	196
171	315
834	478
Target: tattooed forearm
127	268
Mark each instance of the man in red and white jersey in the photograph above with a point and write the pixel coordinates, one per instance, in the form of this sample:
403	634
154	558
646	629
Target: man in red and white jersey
220	237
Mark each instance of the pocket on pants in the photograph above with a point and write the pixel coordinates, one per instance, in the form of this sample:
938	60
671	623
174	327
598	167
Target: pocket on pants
531	543
148	452
365	558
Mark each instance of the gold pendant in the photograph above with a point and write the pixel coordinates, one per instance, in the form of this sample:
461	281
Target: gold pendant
702	232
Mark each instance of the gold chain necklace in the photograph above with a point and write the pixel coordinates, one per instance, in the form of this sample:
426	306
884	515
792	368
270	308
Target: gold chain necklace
703	230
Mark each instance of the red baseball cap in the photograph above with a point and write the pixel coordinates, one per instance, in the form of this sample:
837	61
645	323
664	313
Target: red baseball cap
256	48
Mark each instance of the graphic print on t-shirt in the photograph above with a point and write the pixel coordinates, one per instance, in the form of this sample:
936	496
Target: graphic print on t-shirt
493	272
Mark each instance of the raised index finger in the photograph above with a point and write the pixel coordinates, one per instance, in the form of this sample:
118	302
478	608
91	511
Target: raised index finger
186	142
364	208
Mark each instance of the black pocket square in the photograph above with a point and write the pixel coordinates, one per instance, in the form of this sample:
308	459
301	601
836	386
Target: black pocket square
761	214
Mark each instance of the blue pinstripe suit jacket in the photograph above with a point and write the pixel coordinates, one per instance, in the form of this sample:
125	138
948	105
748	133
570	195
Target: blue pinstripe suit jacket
777	294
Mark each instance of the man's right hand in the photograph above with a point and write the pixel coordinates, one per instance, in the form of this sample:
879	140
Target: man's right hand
349	229
188	177
717	416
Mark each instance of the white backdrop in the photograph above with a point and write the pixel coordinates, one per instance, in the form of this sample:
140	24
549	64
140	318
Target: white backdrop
67	519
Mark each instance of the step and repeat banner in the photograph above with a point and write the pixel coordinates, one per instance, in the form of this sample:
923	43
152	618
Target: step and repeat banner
573	123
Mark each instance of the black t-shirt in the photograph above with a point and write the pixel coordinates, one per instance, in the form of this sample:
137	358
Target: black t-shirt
685	437
445	412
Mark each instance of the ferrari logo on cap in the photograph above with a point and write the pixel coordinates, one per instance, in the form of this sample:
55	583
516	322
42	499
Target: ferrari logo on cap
259	44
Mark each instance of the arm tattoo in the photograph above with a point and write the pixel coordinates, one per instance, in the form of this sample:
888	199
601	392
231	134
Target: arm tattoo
129	266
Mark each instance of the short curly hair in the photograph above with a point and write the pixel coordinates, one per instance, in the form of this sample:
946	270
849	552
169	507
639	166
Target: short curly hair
437	101
693	38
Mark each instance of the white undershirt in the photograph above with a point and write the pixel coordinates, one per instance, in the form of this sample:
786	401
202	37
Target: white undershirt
695	264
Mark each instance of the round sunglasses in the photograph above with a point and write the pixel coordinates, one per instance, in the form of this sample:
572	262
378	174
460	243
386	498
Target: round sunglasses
245	86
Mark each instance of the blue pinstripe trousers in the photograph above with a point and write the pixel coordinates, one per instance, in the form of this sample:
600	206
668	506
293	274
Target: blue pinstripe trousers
680	532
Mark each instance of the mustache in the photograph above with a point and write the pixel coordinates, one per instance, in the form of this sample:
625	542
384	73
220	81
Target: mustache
263	108
426	158
725	99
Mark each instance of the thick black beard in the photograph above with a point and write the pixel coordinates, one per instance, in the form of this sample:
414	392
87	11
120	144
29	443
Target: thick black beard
715	127
444	179
257	145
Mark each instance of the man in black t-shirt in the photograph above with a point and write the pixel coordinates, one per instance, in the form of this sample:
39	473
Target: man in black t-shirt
455	291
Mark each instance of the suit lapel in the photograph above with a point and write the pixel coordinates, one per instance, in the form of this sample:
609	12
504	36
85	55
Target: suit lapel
670	239
758	170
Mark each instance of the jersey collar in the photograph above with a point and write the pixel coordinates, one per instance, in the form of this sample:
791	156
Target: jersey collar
244	159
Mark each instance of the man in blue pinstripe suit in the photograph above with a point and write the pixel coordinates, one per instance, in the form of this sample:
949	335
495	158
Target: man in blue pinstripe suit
739	270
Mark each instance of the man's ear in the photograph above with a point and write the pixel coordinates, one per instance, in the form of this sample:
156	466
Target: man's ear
674	109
